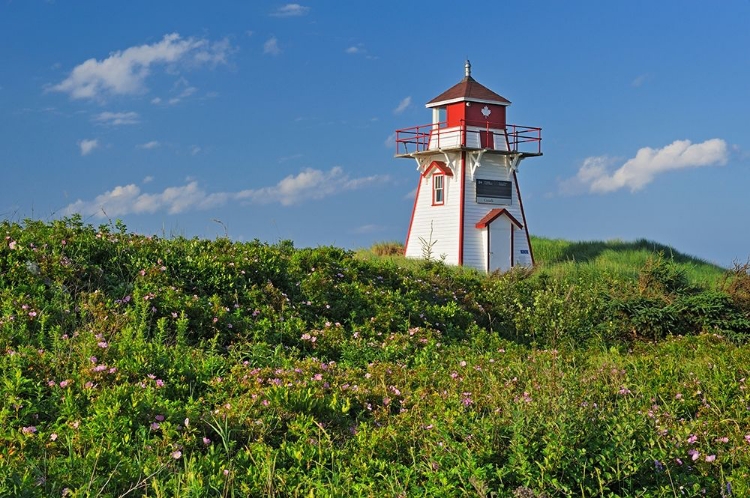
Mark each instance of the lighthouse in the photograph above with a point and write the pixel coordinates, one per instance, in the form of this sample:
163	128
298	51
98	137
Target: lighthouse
468	209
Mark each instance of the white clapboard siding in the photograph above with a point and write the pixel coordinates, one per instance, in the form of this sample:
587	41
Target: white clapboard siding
500	141
442	220
445	138
475	242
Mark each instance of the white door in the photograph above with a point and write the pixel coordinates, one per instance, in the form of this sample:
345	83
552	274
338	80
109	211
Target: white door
499	244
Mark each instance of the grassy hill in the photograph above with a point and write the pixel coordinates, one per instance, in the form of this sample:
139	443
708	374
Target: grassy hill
625	258
133	365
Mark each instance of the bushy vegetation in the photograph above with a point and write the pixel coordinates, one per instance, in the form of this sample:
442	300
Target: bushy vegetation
134	365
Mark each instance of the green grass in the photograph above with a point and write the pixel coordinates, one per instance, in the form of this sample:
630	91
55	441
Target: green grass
623	258
139	366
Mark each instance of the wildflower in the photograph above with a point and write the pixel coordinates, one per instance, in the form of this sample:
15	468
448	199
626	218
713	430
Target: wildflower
692	439
159	418
678	396
64	383
658	465
463	363
29	430
103	344
710	458
93	359
624	391
694	455
187	422
226	472
154	426
176	454
747	438
53	436
89	385
51	383
206	441
318	376
159	383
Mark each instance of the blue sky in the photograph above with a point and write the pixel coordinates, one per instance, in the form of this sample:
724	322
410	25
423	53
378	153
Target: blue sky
277	119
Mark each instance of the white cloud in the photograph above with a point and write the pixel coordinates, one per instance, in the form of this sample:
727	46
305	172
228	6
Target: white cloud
87	145
148	179
185	90
390	142
310	184
402	105
149	145
411	195
125	72
353	50
595	174
116	118
271	46
365	229
640	80
292	157
291	10
156	100
194	149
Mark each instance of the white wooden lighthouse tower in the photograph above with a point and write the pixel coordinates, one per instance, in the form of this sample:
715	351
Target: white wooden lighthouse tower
468	207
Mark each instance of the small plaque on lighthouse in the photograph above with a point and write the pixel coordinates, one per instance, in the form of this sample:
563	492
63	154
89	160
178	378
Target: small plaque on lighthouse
494	191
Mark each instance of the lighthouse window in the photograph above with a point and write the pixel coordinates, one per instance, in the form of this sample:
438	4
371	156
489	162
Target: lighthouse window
438	190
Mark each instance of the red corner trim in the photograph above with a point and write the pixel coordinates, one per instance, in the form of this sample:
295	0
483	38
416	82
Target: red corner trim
461	211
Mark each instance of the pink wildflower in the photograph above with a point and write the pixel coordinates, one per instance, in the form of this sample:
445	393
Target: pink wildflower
710	458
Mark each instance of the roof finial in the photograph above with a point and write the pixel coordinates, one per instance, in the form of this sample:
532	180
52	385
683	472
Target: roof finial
467	67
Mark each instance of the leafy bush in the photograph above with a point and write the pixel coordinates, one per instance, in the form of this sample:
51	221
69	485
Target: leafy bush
142	366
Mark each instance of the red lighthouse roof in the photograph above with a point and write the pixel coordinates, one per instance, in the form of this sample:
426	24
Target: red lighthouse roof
468	89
